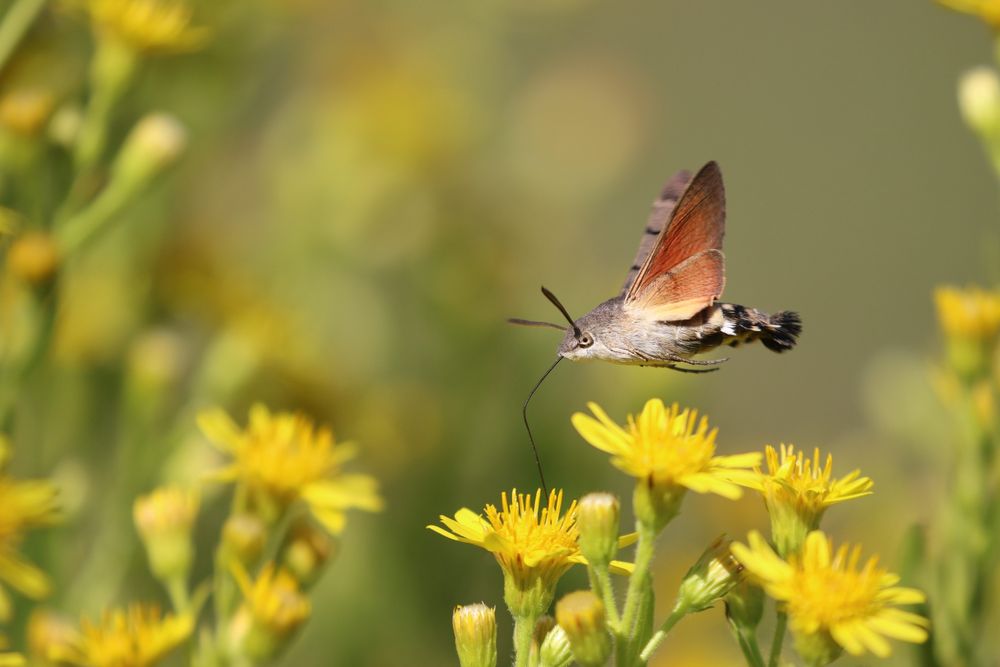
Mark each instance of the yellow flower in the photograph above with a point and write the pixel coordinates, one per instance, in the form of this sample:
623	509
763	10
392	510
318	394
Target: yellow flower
25	111
273	608
831	602
667	450
147	25
534	545
10	659
283	457
798	490
136	637
971	312
987	10
23	505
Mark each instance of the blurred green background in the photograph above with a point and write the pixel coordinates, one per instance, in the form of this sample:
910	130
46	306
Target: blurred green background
371	188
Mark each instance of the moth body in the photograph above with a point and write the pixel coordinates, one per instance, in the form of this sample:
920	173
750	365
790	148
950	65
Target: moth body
612	332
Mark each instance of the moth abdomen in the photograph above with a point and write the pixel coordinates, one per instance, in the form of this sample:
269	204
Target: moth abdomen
778	332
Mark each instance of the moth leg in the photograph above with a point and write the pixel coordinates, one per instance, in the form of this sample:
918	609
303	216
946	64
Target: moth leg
691	370
696	362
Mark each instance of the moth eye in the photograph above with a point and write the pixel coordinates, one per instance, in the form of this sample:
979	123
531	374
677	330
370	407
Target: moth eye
586	340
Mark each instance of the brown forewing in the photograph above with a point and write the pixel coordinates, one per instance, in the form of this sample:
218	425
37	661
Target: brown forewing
697	224
686	289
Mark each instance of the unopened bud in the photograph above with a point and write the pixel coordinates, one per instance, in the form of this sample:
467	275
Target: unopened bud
244	536
25	111
164	519
582	617
556	651
33	258
597	519
543	626
64	127
307	551
475	627
153	144
745	605
979	99
156	359
49	634
713	576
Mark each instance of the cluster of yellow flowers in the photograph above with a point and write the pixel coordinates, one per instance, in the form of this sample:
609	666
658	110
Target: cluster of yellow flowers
831	601
269	550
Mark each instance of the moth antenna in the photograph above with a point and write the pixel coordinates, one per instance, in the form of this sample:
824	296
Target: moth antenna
562	309
533	323
531	438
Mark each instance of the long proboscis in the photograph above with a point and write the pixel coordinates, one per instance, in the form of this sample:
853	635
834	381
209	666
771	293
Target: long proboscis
531	438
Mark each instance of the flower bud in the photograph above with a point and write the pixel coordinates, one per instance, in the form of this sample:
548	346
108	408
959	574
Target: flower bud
712	577
307	551
556	651
543	626
597	519
244	536
48	634
64	127
33	258
979	99
164	519
25	111
816	648
745	605
581	615
475	628
154	143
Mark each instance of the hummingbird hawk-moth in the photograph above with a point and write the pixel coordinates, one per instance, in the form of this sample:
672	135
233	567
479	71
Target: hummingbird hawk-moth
668	310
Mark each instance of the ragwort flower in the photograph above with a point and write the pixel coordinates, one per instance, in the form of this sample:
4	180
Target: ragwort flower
147	25
534	544
136	637
283	457
832	603
797	490
667	450
274	608
24	504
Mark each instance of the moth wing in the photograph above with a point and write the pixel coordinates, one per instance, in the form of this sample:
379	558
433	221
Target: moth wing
697	223
659	216
685	290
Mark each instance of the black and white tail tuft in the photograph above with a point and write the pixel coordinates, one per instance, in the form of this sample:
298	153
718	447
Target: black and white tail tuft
778	332
782	331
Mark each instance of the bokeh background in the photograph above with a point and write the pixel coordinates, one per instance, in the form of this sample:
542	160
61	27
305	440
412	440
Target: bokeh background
371	188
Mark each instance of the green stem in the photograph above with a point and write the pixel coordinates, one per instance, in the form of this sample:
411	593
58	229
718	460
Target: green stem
779	639
524	627
16	23
600	583
180	598
638	588
677	614
749	647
